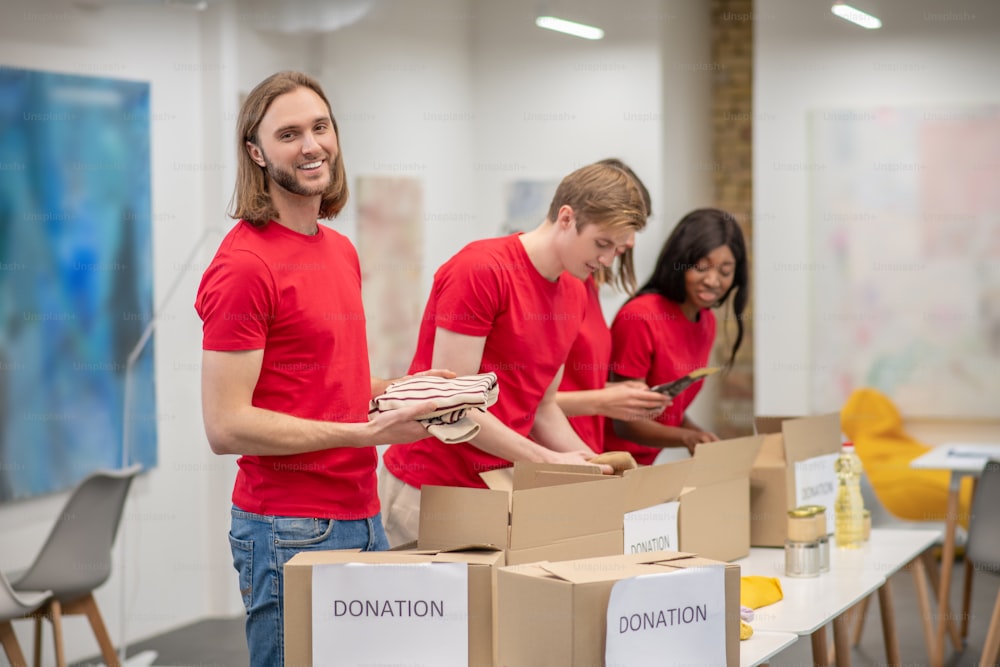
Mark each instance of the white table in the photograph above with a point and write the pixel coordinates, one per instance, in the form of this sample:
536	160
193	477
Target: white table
961	459
762	645
809	604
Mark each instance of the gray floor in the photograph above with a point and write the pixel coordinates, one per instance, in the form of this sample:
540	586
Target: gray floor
220	642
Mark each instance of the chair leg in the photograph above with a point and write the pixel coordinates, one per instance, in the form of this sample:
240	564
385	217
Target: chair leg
991	647
38	636
10	645
89	607
57	634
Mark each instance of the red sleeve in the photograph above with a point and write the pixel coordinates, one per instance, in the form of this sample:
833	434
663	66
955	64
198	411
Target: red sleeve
468	290
632	348
236	302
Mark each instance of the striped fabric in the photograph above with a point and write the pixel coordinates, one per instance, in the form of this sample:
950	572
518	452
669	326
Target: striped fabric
454	397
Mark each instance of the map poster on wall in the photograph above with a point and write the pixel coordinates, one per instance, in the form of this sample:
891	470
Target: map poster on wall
390	248
905	223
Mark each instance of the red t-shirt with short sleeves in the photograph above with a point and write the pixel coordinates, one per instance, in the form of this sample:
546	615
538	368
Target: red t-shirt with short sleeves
652	340
491	289
298	298
587	366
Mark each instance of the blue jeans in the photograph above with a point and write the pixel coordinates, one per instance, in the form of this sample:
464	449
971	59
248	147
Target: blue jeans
261	546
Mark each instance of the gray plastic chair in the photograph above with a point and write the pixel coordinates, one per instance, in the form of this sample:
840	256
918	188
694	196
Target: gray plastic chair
76	558
14	605
983	547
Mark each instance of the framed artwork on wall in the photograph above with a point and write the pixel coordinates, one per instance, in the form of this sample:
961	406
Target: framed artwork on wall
76	278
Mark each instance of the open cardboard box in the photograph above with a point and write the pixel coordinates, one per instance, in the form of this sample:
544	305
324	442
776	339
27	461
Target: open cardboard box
652	506
715	503
482	568
794	467
532	512
556	614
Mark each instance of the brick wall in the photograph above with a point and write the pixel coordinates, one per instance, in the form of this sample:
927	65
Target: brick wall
732	144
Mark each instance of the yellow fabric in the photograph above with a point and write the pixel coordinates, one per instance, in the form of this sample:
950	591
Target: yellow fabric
757	591
872	422
746	632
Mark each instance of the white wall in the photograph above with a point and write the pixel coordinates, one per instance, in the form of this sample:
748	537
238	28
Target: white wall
172	561
462	94
927	54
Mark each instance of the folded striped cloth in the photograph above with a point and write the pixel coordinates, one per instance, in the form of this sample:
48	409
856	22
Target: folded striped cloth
453	396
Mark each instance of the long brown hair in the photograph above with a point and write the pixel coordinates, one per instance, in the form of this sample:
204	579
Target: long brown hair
251	200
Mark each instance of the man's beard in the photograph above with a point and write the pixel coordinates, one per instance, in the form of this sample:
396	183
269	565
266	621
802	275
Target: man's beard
287	179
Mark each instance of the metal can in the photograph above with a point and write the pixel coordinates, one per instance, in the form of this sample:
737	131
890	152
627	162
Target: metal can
824	553
802	559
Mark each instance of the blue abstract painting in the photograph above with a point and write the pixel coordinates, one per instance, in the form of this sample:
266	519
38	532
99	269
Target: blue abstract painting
76	279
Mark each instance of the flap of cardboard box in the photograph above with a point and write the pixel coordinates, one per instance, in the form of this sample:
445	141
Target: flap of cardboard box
524	475
451	516
472	556
772	452
553	513
771	424
651	485
609	568
808	437
723	460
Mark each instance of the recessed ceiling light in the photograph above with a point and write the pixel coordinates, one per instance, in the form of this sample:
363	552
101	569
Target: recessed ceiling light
856	16
569	27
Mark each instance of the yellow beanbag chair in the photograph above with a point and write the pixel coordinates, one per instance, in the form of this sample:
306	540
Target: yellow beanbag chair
870	420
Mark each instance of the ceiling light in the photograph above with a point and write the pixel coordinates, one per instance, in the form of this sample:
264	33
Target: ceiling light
848	13
569	27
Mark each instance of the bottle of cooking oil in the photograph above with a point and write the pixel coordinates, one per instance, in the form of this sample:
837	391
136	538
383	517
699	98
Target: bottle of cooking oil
849	508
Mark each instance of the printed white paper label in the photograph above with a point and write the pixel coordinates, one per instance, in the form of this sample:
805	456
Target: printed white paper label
652	528
816	484
672	619
401	614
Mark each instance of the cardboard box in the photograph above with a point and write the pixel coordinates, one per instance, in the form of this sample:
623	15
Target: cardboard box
794	467
557	614
715	503
652	506
482	569
532	512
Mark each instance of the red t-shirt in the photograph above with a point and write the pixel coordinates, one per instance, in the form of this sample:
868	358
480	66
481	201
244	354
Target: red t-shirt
653	341
491	289
298	298
587	366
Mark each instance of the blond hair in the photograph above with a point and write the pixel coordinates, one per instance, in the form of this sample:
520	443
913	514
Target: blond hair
607	193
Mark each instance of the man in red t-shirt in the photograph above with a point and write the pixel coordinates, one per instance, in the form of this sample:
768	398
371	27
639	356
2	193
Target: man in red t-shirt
285	377
585	395
513	305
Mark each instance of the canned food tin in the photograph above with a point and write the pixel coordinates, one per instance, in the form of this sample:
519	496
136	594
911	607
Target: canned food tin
802	559
824	553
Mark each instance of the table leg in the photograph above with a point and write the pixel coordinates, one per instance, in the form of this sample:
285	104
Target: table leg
860	612
934	575
888	624
820	658
947	563
919	571
842	640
